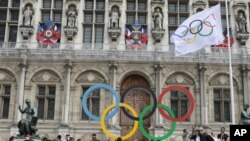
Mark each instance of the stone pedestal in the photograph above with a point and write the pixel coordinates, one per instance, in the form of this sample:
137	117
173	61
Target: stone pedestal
26	31
157	131
242	38
70	32
158	34
114	33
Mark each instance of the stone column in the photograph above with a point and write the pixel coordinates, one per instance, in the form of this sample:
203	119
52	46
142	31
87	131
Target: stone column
158	68
114	122
203	97
244	75
20	96
65	116
157	126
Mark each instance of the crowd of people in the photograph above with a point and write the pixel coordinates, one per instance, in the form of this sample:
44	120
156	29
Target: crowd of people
198	134
207	135
58	138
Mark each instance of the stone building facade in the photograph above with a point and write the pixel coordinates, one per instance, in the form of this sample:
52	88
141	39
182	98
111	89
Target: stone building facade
92	50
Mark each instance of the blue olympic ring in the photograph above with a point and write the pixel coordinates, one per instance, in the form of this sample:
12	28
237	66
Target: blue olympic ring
99	86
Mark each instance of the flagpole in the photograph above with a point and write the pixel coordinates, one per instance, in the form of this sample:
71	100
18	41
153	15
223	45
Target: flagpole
230	67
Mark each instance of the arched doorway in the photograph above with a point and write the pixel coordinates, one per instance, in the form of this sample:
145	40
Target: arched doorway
137	99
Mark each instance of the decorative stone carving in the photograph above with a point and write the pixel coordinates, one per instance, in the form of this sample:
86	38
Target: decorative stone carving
199	5
90	77
220	80
26	28
114	30
245	115
180	78
162	2
158	30
45	76
6	76
71	28
242	33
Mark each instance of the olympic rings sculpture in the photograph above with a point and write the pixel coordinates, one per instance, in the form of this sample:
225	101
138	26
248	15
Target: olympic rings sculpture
138	120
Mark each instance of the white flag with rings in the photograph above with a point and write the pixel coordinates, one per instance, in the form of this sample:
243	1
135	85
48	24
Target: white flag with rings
198	31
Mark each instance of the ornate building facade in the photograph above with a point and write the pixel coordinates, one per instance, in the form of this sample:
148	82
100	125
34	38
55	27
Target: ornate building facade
92	47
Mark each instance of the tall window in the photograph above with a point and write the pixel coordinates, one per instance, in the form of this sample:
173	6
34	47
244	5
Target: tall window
46	101
177	13
223	12
52	10
9	20
93	103
5	91
222	105
179	103
93	27
137	11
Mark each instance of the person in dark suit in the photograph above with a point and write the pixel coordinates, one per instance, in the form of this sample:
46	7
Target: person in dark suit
222	136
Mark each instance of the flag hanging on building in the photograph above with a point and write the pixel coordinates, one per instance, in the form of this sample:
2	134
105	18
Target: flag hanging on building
48	34
225	42
198	31
136	36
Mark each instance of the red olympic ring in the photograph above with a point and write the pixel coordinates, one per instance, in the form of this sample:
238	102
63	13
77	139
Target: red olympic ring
187	92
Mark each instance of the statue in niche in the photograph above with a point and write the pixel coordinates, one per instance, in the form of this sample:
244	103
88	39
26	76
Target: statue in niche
27	126
241	22
71	16
27	16
158	19
245	115
114	21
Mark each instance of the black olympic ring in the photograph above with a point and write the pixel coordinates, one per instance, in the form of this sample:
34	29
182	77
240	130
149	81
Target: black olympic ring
199	27
148	91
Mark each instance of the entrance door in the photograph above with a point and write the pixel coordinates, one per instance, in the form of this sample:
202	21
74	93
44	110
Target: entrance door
138	99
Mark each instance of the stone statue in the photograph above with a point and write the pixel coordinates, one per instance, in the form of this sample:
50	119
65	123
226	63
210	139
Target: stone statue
158	19
27	16
27	126
241	22
245	115
114	18
71	17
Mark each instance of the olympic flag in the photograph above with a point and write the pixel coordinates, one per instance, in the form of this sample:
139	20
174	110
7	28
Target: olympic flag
198	31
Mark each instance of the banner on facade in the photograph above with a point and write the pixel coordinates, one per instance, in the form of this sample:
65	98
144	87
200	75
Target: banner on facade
49	34
136	36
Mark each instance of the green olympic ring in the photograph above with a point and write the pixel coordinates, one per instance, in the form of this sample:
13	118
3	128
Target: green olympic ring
144	132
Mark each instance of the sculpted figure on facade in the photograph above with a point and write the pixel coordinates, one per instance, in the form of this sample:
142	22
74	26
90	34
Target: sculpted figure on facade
241	22
71	16
27	125
158	18
27	16
245	115
114	19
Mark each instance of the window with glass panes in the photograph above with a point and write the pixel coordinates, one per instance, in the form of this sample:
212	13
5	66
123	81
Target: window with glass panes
177	13
136	11
93	23
5	93
52	10
179	103
9	16
93	103
46	101
222	104
223	12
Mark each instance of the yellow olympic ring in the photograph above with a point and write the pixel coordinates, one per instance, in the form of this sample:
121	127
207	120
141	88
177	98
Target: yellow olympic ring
110	135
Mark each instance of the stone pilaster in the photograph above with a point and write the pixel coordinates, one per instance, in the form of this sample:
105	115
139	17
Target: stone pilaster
20	96
157	127
203	97
65	118
113	126
244	75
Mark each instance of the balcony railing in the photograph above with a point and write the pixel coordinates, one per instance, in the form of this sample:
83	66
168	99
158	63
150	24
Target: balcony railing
117	52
